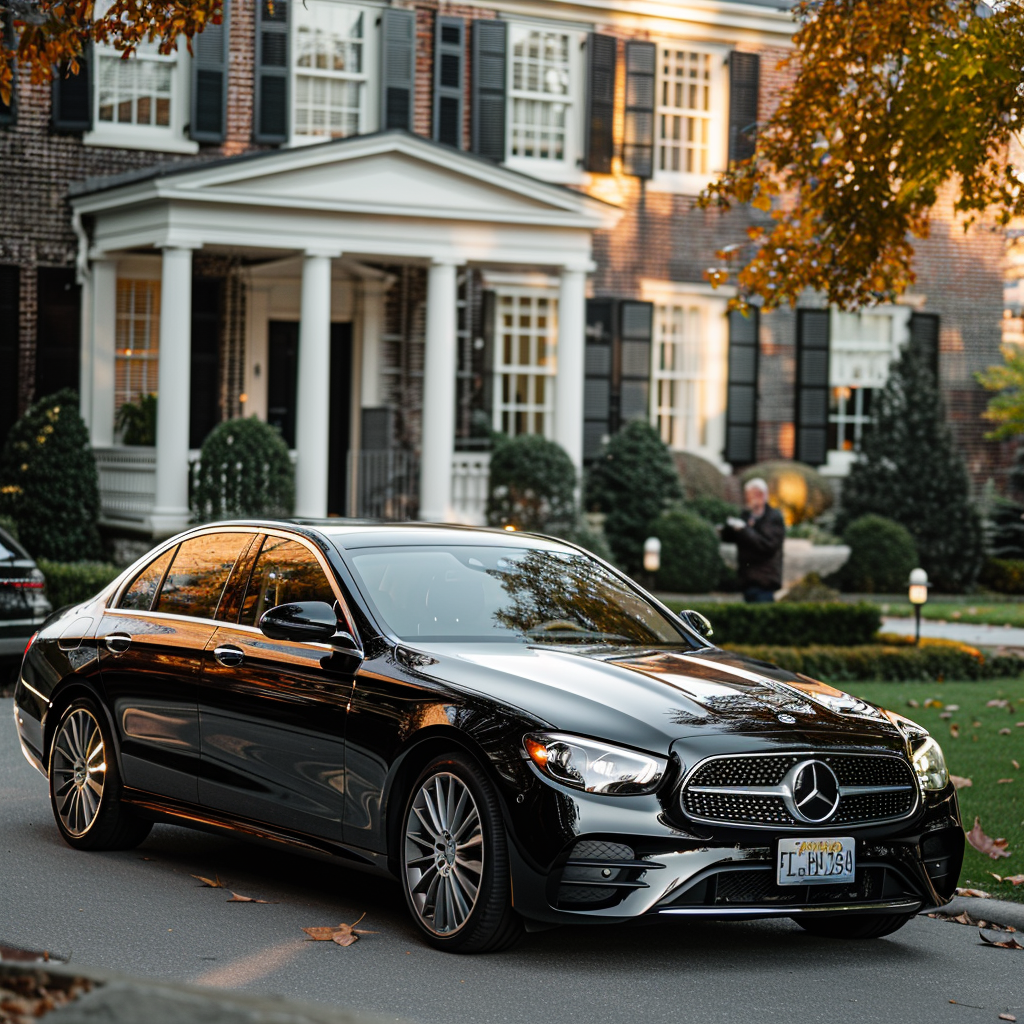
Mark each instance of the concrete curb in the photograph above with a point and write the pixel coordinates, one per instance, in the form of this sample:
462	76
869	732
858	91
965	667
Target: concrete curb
122	999
994	911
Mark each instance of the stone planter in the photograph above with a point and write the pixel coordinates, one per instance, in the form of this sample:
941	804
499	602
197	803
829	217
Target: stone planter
799	557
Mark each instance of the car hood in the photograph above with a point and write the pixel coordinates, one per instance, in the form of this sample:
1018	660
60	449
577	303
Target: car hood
651	698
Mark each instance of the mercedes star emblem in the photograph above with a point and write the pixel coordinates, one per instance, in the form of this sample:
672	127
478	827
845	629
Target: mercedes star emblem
813	791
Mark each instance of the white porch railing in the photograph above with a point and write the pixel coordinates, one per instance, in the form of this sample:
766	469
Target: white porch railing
127	479
471	472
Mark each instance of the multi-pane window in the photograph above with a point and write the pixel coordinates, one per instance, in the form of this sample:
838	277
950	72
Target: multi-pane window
525	340
330	70
540	87
137	91
849	416
684	111
680	375
137	340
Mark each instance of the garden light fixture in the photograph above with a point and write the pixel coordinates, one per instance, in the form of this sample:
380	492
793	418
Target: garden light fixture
918	596
652	554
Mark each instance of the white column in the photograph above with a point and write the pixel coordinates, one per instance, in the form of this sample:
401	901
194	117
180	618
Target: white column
174	396
98	352
313	391
572	320
370	342
85	352
439	369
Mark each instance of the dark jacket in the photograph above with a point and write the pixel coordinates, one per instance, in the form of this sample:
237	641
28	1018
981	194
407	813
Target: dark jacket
759	546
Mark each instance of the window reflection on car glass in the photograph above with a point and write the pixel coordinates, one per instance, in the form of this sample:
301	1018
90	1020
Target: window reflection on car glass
499	593
198	573
139	596
10	549
285	571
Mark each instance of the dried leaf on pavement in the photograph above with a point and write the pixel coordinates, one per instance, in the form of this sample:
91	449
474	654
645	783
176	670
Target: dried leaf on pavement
1007	943
342	934
978	894
235	898
212	883
1007	1016
994	848
1012	879
960	782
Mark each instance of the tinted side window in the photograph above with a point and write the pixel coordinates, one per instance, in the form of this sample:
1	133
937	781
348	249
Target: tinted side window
285	571
139	596
198	573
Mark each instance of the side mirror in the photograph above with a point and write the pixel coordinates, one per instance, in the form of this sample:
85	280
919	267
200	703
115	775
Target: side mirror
698	623
313	621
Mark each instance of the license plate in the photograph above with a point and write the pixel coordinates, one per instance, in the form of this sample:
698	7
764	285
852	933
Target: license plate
817	861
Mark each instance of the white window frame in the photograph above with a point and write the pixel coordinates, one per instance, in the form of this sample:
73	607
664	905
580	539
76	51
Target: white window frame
567	170
163	139
690	182
367	78
712	378
509	371
147	354
860	365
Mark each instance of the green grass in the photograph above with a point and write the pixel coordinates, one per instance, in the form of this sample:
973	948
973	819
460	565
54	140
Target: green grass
974	612
981	754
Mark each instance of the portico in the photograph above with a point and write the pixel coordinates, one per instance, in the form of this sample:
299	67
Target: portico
312	232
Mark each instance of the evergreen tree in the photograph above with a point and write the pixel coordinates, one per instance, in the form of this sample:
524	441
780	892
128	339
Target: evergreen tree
1006	516
48	481
909	470
633	482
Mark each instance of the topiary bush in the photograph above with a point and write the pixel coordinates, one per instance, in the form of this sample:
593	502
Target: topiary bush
690	560
48	481
532	485
882	553
699	478
632	482
244	471
798	491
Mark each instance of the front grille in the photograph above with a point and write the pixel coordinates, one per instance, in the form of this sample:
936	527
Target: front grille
747	781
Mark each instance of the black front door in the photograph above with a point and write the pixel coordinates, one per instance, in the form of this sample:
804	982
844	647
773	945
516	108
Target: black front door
282	371
341	417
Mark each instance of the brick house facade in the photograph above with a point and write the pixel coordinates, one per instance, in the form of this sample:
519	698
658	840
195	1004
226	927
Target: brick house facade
658	338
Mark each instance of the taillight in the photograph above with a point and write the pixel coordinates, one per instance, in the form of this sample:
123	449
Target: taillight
22	584
31	641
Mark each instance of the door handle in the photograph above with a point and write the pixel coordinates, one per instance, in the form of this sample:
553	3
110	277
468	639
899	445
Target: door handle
228	656
117	643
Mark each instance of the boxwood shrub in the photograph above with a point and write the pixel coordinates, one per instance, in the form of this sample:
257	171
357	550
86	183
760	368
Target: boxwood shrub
793	624
690	560
71	582
882	553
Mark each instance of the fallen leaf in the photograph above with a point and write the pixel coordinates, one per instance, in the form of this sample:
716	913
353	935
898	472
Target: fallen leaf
1020	725
235	898
954	730
916	704
1001	781
976	725
960	782
979	894
995	848
1007	1016
1015	765
322	934
1010	943
952	707
1004	732
343	934
997	704
212	883
1012	879
945	714
931	702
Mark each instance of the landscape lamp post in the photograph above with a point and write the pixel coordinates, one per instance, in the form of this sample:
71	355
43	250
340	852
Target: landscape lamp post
918	596
652	557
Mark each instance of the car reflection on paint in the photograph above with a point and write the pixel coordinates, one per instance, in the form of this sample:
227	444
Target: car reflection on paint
507	725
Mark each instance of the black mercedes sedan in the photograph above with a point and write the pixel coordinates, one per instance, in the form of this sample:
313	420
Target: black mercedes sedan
508	725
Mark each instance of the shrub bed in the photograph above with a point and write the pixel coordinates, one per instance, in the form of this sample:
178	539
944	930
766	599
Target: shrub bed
1003	575
793	624
71	582
690	562
891	663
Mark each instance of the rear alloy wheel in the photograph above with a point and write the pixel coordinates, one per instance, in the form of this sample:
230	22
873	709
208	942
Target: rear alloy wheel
853	926
455	871
85	787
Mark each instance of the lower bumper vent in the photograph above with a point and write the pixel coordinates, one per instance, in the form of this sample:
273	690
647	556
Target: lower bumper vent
599	874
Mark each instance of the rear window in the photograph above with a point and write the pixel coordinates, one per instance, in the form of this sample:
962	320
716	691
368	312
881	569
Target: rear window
10	549
197	576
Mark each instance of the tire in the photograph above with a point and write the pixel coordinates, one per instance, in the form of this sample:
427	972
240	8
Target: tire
853	926
461	902
85	785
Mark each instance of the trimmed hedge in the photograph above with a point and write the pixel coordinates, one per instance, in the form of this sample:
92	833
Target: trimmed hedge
72	582
882	553
793	624
1003	575
889	663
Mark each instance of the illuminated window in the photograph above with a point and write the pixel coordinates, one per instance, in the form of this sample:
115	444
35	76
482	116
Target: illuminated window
137	354
680	375
684	111
526	336
539	92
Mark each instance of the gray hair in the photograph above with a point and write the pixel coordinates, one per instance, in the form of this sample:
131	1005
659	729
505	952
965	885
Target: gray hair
756	484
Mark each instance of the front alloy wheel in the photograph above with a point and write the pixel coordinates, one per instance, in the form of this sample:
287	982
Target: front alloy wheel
454	860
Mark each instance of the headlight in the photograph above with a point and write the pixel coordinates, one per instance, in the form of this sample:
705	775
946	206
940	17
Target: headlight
930	765
594	766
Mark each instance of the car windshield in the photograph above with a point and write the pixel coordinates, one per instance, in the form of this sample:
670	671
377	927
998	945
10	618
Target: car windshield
501	593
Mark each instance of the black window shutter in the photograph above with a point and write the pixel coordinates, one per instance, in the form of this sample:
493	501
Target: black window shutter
9	337
272	71
638	145
602	54
397	67
924	336
449	65
72	97
633	361
741	410
488	115
488	319
210	81
744	84
599	410
812	390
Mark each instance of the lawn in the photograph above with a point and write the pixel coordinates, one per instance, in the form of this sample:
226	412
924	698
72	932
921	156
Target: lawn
981	753
987	613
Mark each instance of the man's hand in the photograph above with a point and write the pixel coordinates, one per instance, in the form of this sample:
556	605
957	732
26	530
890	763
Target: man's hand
735	523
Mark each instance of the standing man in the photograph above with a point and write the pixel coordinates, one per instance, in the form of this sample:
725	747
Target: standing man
758	537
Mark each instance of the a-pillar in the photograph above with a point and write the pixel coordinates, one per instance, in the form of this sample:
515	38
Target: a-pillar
440	363
174	398
313	390
572	320
98	350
